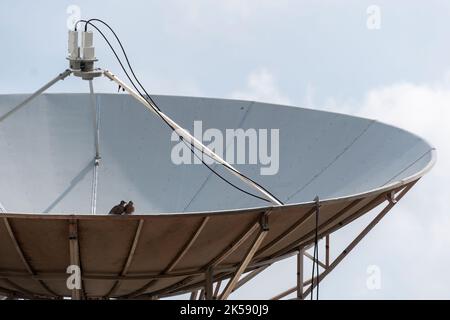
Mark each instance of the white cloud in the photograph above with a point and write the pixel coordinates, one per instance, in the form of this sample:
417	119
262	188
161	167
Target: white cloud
261	86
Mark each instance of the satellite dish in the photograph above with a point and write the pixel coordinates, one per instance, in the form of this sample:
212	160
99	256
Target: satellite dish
66	159
48	155
186	218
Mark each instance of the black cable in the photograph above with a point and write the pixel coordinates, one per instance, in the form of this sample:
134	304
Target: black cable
217	174
154	104
114	52
76	24
125	55
88	22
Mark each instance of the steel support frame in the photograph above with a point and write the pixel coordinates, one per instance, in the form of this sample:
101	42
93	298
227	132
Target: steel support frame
175	260
243	265
300	273
137	235
304	288
74	254
25	262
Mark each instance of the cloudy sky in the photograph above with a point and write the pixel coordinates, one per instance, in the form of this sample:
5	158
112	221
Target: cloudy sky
317	54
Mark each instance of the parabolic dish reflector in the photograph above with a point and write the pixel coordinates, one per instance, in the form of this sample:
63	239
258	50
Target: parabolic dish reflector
186	218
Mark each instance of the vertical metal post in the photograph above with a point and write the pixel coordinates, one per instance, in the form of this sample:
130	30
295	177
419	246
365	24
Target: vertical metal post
300	281
209	284
327	251
216	290
97	148
95	118
194	295
74	252
360	236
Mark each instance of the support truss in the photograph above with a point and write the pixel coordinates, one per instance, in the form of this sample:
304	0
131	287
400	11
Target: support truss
74	250
304	288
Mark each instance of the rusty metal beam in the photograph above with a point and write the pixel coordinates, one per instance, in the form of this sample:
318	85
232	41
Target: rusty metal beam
345	252
300	266
194	295
226	273
133	276
284	293
182	284
327	251
19	289
216	290
187	287
310	235
292	290
236	244
201	296
209	281
300	222
360	236
183	252
175	261
249	277
243	265
320	263
289	231
19	251
9	294
357	214
74	254
130	257
219	258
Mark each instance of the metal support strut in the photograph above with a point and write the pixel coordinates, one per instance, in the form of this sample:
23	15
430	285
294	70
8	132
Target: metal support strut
74	251
264	230
61	76
184	134
327	266
300	281
97	158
